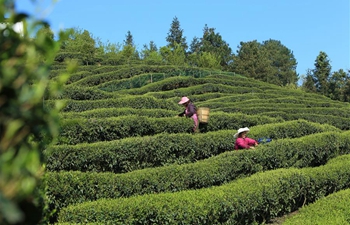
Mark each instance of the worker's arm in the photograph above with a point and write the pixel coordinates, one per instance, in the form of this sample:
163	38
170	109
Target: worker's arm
182	114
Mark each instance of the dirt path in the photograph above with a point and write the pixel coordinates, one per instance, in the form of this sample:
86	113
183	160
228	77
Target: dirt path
280	220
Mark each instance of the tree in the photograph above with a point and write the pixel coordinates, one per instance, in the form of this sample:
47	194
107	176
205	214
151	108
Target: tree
129	54
46	31
337	85
112	53
129	40
150	54
212	42
283	63
208	60
322	72
86	46
252	61
176	56
148	50
26	128
270	62
309	82
175	35
195	46
79	45
346	89
194	53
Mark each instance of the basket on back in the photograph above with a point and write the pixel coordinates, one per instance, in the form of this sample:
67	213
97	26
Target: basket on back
203	114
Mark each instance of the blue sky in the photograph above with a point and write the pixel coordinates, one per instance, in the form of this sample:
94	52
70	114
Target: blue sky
306	27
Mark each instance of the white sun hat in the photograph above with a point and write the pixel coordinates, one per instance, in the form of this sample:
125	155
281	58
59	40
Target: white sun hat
240	130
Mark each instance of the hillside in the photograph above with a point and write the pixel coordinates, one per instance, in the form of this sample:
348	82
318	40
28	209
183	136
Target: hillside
124	157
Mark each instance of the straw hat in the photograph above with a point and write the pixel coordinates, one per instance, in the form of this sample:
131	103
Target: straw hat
184	100
240	130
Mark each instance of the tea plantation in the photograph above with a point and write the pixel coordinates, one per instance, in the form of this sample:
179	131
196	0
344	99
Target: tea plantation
124	157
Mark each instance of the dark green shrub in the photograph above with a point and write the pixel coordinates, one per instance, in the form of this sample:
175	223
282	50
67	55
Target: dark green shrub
256	199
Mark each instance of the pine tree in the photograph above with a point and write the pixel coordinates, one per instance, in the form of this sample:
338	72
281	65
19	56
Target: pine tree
175	35
129	40
322	72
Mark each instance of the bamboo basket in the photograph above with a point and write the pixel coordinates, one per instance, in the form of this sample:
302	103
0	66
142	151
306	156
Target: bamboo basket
203	114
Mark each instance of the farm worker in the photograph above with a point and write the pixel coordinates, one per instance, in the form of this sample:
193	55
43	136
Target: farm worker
190	111
242	141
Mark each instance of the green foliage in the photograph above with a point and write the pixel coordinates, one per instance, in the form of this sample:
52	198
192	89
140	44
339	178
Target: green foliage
309	82
80	44
333	209
113	121
175	56
322	72
251	200
204	144
283	63
214	44
116	112
137	102
129	39
252	61
209	60
270	62
338	85
76	92
74	131
64	187
25	127
175	36
128	72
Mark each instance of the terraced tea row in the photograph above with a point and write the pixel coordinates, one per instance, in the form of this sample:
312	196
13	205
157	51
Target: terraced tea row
256	199
141	152
94	129
137	157
333	209
67	188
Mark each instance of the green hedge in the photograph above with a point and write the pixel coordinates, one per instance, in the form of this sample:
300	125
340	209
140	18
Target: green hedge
84	93
184	82
128	72
336	111
137	102
78	76
141	152
108	68
203	89
80	130
72	187
217	120
253	200
115	112
167	81
333	111
75	131
283	102
133	82
333	209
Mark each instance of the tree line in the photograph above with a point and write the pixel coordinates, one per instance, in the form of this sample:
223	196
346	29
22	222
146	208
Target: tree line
269	61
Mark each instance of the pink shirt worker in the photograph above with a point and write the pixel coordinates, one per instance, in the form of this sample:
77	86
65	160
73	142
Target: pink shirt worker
190	111
242	141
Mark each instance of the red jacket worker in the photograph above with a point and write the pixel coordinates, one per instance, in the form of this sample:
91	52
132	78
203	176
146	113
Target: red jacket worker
242	141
